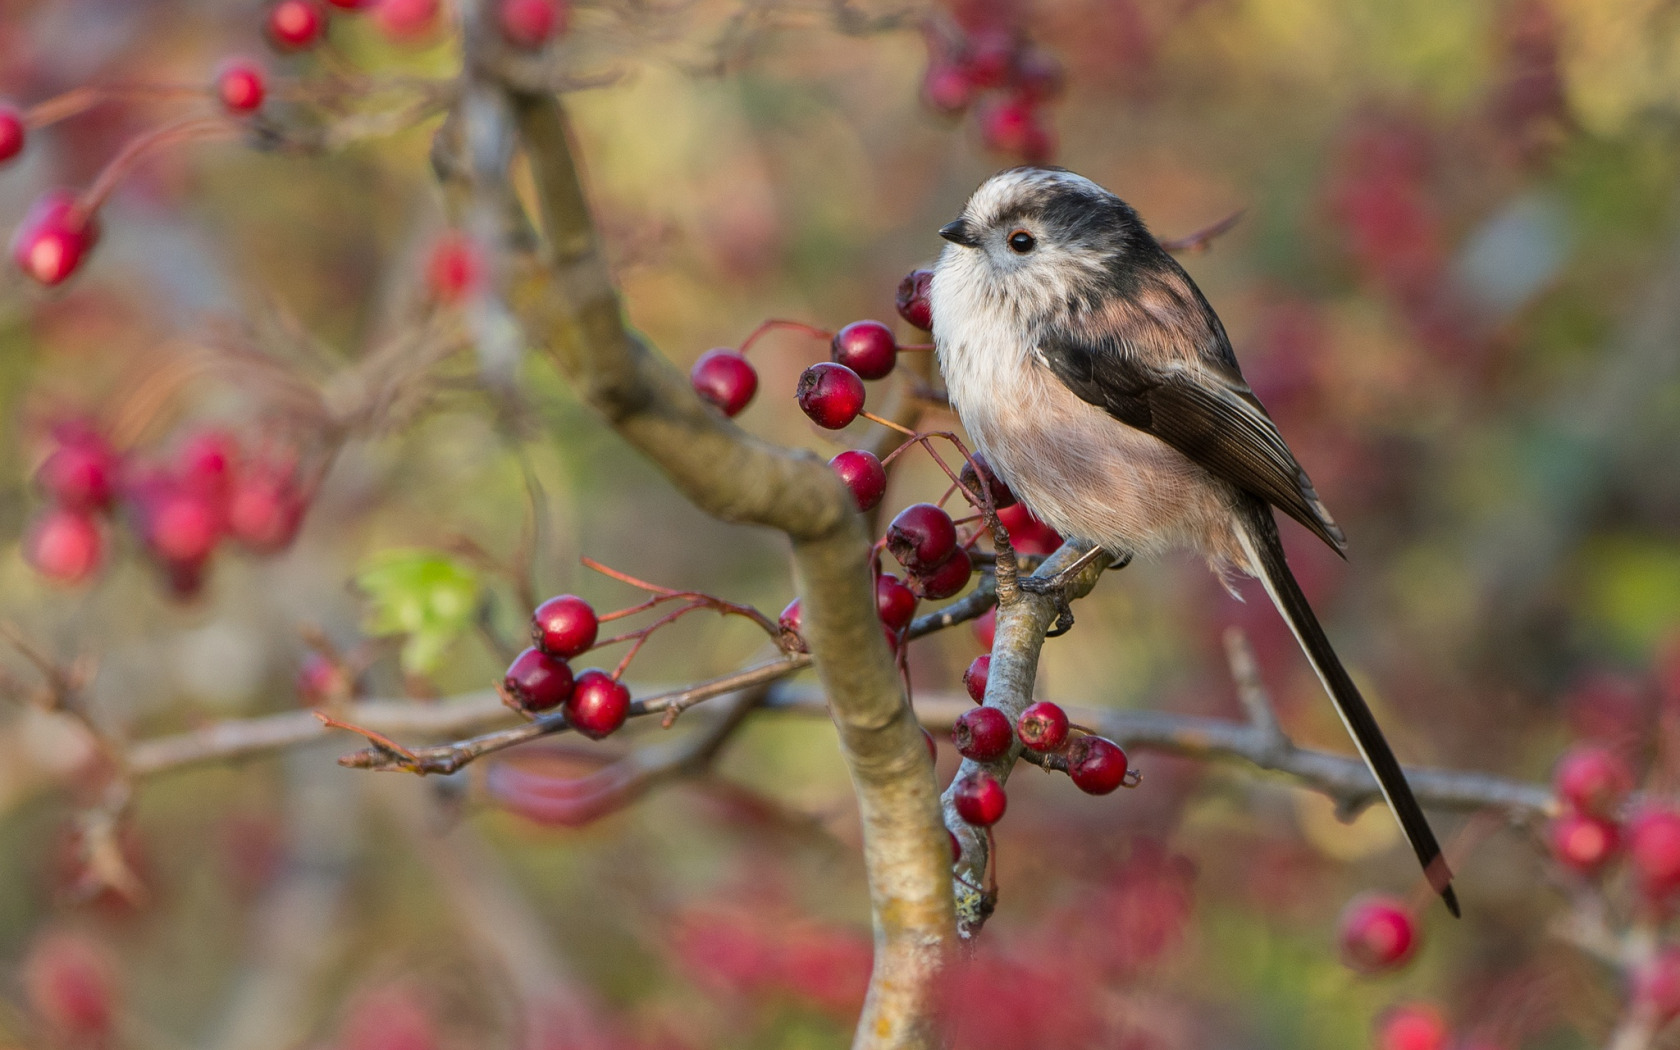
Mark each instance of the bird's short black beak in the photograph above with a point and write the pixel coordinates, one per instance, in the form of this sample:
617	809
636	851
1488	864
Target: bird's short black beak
959	233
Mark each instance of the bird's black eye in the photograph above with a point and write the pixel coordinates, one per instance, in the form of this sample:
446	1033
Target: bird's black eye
1021	242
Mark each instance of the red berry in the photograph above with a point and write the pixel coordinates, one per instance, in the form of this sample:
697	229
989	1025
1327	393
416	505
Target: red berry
913	302
81	473
64	545
946	88
1096	765
54	238
946	579
241	87
1038	75
531	23
452	269
296	24
1592	780
1027	534
1377	933
70	988
894	602
564	626
12	133
977	471
867	348
1583	842
1014	126
832	395
538	681
350	5
1043	726
863	474
792	617
265	509
320	680
406	20
1413	1026
976	676
980	799
985	628
598	704
724	378
921	537
932	746
982	733
1657	983
208	461
179	524
1653	842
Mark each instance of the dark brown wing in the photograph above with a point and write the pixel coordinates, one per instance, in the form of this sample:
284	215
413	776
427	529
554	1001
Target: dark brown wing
1203	409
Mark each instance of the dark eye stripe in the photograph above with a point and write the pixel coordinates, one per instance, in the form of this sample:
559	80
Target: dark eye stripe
1021	242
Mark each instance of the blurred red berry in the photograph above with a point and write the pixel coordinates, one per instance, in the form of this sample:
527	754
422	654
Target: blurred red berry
452	269
180	525
894	602
70	986
921	537
831	394
1653	846
946	579
979	672
867	348
265	508
406	20
980	799
1038	75
1027	534
863	474
1377	933
1097	766
1592	779
977	471
241	87
1583	842
1043	726
1014	126
64	545
985	628
322	680
352	5
538	681
12	133
81	473
564	626
54	238
1657	983
1412	1026
947	89
724	378
598	704
982	733
531	23
296	24
208	463
990	58
391	1018
913	302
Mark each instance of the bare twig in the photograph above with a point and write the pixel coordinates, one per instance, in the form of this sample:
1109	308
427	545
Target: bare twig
1196	243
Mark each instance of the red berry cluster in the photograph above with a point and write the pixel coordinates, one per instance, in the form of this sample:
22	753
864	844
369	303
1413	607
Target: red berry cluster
991	68
1378	933
529	25
1096	765
540	679
1591	783
179	511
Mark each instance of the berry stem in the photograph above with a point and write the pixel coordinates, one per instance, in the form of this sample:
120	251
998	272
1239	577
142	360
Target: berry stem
191	129
81	99
798	326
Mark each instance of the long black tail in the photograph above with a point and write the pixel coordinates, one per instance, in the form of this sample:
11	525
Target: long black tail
1266	551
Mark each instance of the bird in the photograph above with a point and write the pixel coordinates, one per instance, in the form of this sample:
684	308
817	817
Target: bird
1103	391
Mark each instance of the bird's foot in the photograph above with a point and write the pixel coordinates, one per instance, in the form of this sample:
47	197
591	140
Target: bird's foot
1057	586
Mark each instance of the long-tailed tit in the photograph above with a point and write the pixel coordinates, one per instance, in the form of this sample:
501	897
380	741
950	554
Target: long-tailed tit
1101	387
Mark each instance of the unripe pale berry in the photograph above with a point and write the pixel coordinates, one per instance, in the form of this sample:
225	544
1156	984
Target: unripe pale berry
1096	765
863	474
867	348
296	24
913	302
531	23
12	133
1377	933
982	733
975	678
895	603
241	87
977	471
1043	726
564	626
1653	845
1582	841
921	537
538	681
980	799
946	579
1412	1026
64	545
1592	780
724	378
54	239
598	704
832	395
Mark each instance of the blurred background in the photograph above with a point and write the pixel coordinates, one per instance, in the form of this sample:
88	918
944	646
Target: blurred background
1455	284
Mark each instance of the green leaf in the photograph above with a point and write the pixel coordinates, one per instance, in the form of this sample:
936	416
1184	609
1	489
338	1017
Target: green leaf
427	596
